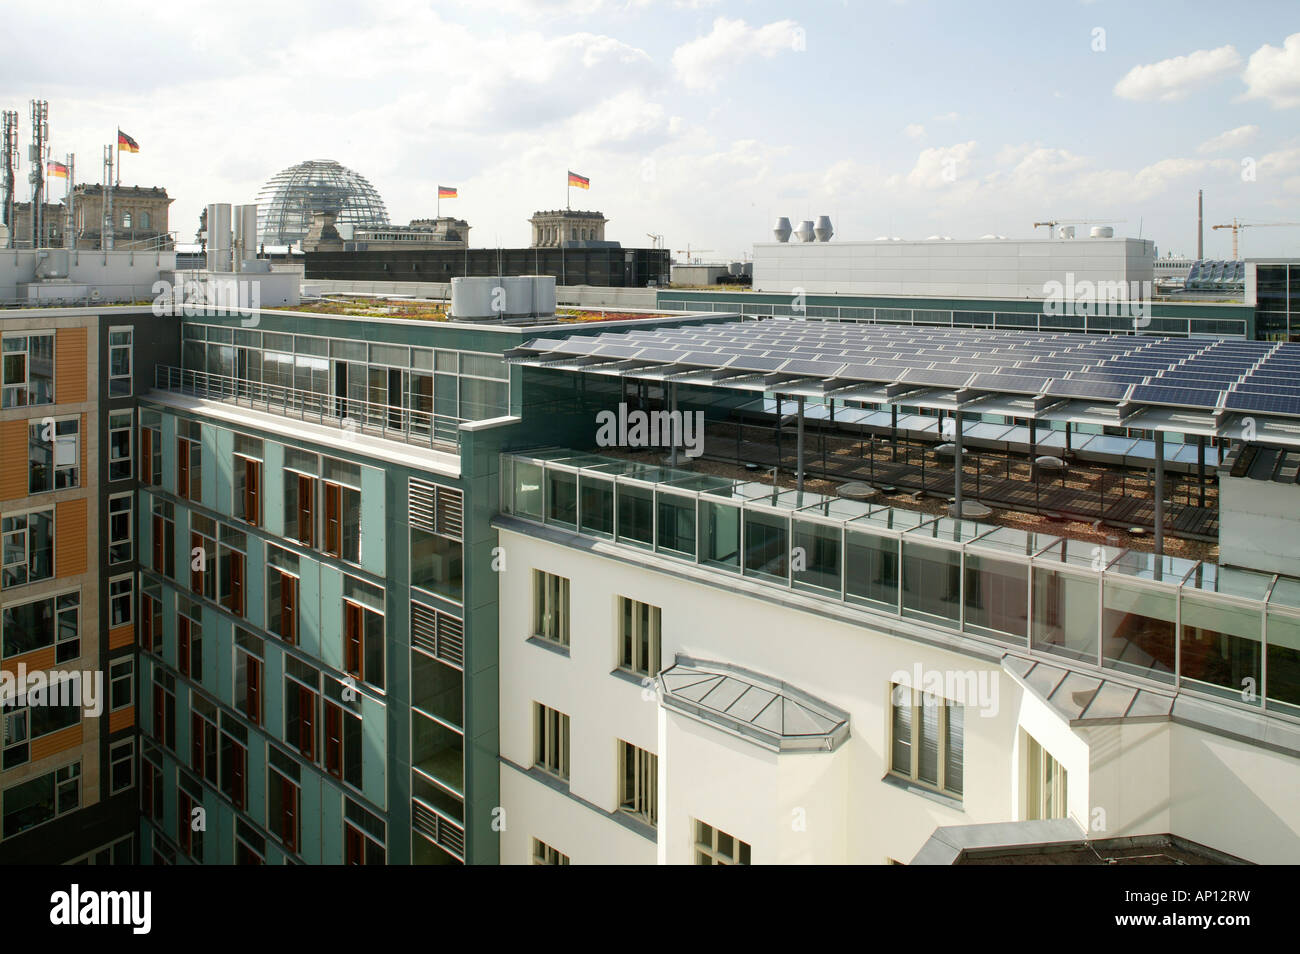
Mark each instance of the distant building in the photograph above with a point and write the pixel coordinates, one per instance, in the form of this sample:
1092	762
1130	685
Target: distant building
569	229
443	232
139	218
290	197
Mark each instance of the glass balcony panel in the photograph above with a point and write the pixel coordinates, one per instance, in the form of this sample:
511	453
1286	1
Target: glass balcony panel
871	569
562	498
931	581
597	505
1222	646
1283	662
528	489
817	562
720	535
767	545
676	524
997	596
635	514
438	751
1065	615
1137	629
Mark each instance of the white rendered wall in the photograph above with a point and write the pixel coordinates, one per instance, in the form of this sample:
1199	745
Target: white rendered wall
957	269
1259	523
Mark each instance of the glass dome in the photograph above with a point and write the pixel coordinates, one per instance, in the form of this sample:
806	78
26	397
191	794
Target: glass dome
287	201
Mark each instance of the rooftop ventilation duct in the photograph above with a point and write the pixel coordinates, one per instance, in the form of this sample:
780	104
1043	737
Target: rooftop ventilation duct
823	230
1101	231
805	232
781	230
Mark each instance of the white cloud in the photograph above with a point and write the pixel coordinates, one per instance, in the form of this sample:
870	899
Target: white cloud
1174	78
1274	74
946	118
701	63
1230	140
941	166
914	130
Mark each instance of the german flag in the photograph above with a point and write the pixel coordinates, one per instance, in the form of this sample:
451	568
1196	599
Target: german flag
125	143
446	192
582	182
58	169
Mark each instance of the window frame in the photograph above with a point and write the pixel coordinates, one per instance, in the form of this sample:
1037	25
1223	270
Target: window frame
638	795
114	760
637	654
114	389
916	704
55	469
708	851
129	540
551	608
129	460
552	739
113	581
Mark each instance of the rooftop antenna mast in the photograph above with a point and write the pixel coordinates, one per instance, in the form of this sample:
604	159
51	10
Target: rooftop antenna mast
8	162
36	155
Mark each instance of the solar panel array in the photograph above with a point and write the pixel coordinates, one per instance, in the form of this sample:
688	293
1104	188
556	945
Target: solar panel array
1204	374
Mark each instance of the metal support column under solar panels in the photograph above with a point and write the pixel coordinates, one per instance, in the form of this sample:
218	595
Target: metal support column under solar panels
893	432
956	460
798	480
676	431
1160	499
1200	467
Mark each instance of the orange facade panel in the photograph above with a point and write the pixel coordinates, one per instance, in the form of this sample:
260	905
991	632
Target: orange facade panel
121	719
70	538
57	742
42	659
71	367
13	459
121	636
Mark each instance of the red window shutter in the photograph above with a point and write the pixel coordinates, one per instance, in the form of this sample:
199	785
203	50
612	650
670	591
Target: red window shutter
333	533
253	492
352	638
289	814
159	713
333	740
306	510
355	848
237	774
307	722
183	644
236	583
253	697
196	742
288	608
146	456
182	467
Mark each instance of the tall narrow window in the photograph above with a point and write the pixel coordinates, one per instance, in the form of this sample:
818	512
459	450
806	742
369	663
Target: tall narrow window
248	490
119	527
119	445
119	362
544	854
333	528
54	455
927	735
639	637
551	607
283	796
121	598
638	782
282	604
1046	783
715	847
551	740
334	739
150	456
301	685
248	675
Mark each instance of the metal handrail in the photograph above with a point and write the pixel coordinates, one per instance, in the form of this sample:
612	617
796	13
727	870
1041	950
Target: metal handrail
362	417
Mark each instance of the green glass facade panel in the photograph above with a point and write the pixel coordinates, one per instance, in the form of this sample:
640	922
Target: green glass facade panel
273	690
374	740
374	523
331	612
309	607
255	581
225	470
169	453
211	458
272	490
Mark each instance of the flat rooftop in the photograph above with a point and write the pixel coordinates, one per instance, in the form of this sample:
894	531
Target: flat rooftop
355	305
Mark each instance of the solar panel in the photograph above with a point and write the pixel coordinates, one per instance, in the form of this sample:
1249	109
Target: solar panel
935	377
1016	383
755	363
823	369
1082	388
1270	403
1176	396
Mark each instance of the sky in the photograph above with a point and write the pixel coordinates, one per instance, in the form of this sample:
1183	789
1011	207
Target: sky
698	120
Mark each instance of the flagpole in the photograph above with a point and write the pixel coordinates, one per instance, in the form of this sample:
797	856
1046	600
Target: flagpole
118	146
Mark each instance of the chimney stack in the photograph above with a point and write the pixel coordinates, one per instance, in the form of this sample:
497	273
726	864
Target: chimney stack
1200	228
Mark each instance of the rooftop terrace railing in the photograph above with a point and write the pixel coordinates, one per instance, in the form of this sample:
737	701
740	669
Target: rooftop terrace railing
360	417
1191	625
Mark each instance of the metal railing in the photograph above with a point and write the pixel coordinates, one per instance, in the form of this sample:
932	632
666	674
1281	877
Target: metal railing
358	417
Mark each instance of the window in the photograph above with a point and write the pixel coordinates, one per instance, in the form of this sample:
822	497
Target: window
638	777
363	835
638	637
53	455
551	607
189	463
343	747
189	805
1046	788
550	741
26	370
544	854
301	700
151	790
250	847
121	766
150	455
119	528
203	556
151	625
119	445
234	760
52	621
42	799
15	736
27	541
204	746
119	362
164	709
283	798
121	683
248	675
126	220
247	504
164	538
144	220
714	847
363	642
281	604
189	639
230	570
926	739
121	597
300	508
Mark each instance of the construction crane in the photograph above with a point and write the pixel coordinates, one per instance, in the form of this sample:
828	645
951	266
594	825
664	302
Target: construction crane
688	253
656	239
1055	222
1237	226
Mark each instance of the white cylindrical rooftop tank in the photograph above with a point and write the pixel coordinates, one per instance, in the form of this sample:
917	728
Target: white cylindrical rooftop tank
805	232
1101	231
472	298
543	290
518	295
822	230
1066	232
781	230
736	268
219	237
245	235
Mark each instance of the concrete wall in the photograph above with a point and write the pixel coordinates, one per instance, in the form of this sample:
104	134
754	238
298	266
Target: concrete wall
1259	523
966	269
583	296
